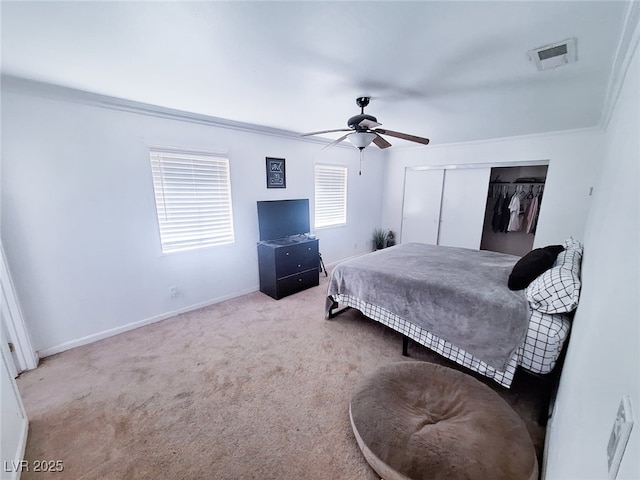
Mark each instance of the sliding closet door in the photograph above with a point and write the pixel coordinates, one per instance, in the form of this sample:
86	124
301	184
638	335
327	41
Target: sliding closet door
464	199
421	208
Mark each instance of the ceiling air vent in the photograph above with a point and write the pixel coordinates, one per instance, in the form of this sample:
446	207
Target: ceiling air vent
554	55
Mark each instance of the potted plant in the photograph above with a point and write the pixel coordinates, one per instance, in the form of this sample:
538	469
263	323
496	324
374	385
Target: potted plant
379	239
391	239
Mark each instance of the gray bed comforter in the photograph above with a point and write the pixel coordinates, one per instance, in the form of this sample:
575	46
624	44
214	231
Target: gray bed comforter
458	294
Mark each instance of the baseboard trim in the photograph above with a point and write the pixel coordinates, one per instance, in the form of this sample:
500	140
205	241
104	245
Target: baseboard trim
141	323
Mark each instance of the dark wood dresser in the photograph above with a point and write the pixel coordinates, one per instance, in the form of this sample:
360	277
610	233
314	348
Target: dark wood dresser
288	265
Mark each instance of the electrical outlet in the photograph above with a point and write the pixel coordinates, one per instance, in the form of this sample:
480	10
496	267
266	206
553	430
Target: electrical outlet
173	291
619	436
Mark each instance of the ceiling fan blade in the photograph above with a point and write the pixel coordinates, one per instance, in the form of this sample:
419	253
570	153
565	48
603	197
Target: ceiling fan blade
326	131
404	136
368	123
335	142
381	142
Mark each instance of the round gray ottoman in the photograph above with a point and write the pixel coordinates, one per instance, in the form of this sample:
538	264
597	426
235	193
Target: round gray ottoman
418	420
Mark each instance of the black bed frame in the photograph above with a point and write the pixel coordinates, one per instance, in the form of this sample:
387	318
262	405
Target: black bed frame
548	382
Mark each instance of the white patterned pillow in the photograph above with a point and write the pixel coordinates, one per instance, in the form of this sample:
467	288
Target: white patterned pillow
558	289
565	257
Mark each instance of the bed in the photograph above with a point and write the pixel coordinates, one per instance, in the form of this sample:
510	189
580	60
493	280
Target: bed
456	302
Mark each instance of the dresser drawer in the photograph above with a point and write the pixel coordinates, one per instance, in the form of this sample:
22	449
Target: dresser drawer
297	282
296	258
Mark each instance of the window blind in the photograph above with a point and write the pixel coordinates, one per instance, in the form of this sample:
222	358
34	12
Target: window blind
330	195
193	199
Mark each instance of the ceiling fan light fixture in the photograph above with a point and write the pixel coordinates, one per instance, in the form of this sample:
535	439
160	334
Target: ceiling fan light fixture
361	139
363	130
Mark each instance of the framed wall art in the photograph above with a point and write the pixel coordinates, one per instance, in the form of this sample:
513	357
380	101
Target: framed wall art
276	175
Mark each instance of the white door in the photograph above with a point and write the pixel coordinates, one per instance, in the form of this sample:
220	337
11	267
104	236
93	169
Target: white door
23	356
14	420
14	423
421	207
464	199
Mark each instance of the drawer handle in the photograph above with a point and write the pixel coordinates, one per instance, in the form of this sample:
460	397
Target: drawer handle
298	265
299	279
287	253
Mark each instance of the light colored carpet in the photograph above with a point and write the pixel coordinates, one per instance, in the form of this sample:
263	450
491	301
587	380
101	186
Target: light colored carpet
251	388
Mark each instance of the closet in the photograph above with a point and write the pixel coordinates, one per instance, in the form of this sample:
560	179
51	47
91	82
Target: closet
453	205
444	206
507	230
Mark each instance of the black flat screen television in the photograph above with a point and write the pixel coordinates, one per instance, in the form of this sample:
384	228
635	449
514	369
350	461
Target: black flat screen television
283	218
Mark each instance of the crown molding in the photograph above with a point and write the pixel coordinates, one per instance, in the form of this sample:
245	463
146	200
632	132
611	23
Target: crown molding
627	47
16	84
596	130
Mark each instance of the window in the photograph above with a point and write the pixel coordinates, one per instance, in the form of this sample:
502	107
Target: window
193	198
331	196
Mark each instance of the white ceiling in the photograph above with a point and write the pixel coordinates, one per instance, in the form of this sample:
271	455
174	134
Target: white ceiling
449	70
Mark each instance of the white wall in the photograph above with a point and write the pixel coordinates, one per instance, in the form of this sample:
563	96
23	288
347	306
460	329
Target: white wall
573	157
603	359
78	214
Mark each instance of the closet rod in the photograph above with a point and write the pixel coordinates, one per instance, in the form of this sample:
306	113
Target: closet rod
516	183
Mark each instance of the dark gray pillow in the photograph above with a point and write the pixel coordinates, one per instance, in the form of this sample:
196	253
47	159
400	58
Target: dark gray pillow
532	265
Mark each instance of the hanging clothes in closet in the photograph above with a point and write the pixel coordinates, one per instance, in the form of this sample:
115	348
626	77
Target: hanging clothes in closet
531	215
512	230
517	212
500	217
498	206
514	212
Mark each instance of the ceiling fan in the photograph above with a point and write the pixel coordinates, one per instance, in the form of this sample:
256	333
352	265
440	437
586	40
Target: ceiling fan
363	130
